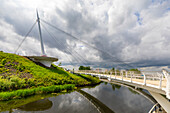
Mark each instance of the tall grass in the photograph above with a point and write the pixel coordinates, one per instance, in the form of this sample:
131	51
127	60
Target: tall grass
91	79
27	92
39	76
18	72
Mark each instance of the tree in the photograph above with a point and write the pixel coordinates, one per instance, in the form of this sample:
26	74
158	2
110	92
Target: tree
113	69
134	70
59	64
81	68
88	68
84	68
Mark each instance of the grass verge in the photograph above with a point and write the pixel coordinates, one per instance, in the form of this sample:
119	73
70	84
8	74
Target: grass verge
91	79
28	92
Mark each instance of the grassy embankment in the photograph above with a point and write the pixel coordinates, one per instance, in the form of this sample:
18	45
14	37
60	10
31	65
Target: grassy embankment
20	77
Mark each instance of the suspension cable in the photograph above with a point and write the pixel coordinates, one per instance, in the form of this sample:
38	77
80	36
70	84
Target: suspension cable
52	36
78	55
25	37
87	43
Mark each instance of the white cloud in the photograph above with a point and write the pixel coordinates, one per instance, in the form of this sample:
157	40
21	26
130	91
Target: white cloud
133	31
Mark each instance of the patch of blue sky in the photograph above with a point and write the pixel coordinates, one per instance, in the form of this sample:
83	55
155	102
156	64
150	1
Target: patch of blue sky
81	46
159	1
168	9
153	1
139	19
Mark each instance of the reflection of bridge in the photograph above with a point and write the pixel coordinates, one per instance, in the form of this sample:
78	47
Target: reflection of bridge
137	90
157	84
102	108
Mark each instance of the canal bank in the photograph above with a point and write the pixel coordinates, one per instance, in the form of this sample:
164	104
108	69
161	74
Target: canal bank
117	98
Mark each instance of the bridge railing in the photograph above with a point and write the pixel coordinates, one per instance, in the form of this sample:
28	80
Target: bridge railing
160	80
154	79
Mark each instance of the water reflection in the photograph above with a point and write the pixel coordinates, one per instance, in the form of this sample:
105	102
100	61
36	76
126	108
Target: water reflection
11	104
66	103
104	97
115	86
39	105
99	105
120	99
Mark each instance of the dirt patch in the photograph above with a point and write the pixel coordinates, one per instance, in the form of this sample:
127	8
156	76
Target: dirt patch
26	75
11	70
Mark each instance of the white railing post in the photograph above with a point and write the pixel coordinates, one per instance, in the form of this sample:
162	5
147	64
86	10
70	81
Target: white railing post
115	73
160	80
130	76
144	81
153	77
110	74
122	74
167	76
126	74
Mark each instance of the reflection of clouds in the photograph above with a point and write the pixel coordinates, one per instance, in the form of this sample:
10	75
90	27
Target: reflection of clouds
94	91
72	103
135	101
68	100
121	100
68	103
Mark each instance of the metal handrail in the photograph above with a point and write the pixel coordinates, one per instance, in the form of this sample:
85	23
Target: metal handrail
151	110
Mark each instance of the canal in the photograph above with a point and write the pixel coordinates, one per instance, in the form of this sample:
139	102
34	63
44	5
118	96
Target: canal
105	97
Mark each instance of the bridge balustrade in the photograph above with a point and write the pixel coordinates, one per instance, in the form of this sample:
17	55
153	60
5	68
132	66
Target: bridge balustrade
153	79
156	83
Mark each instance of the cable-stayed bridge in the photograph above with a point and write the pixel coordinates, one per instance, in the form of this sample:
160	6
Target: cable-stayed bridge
69	51
157	84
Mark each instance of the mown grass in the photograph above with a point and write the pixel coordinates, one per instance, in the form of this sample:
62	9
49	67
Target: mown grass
40	90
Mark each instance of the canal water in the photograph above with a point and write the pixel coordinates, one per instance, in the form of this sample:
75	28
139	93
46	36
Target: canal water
108	98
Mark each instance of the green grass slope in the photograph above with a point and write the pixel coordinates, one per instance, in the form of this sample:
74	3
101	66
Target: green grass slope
17	72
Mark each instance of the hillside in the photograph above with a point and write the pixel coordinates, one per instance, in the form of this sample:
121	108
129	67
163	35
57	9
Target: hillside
17	72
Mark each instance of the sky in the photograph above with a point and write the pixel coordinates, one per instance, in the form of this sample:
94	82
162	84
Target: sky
136	33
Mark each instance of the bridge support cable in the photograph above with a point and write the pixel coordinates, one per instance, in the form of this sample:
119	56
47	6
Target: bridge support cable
76	55
59	43
78	58
52	36
98	49
25	37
